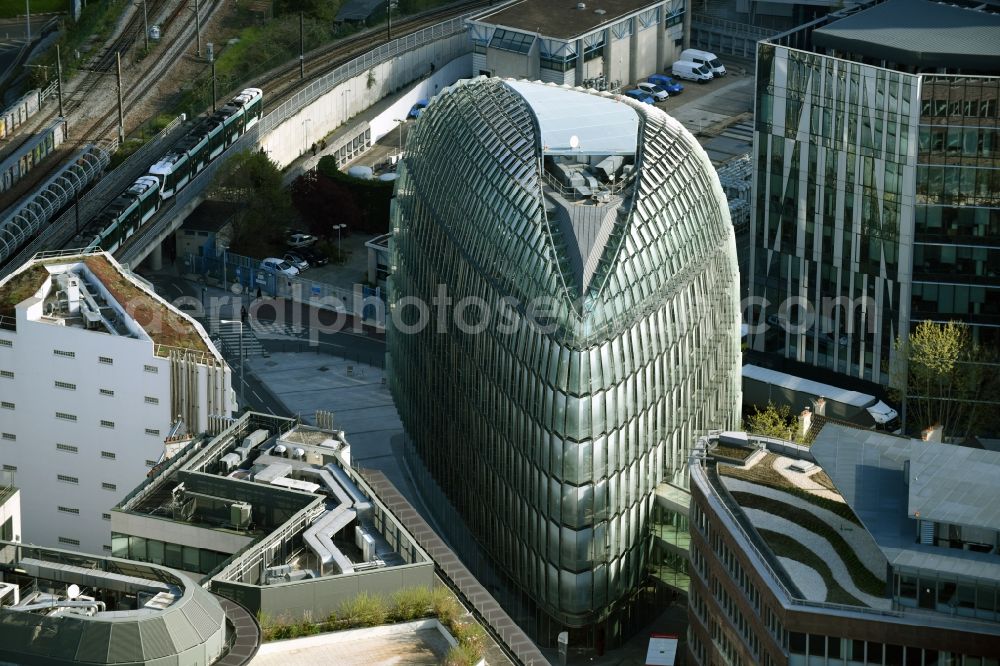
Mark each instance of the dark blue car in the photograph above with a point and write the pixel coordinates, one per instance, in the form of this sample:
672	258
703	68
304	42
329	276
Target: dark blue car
417	109
666	83
641	96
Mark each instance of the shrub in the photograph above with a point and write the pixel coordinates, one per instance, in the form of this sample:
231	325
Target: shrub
469	633
462	655
364	610
444	606
411	603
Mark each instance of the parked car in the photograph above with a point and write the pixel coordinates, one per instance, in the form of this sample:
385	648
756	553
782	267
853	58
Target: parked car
297	259
657	93
278	267
706	58
640	95
298	239
691	71
667	83
417	109
313	257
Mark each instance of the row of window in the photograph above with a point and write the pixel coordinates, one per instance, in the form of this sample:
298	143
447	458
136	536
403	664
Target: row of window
108	455
736	617
103	360
198	560
76	481
149	400
76	512
818	649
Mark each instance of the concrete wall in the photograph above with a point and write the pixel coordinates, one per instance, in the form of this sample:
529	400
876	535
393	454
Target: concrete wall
618	58
316	121
645	51
11	509
318	598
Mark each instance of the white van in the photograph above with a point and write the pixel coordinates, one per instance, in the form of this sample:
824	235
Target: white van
691	71
706	58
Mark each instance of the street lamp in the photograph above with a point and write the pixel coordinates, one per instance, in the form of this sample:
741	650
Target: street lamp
402	124
240	322
338	227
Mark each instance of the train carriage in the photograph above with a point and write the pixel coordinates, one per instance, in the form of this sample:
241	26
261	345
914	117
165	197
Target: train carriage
173	172
146	190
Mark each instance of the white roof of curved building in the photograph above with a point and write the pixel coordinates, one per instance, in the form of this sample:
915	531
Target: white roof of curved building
602	125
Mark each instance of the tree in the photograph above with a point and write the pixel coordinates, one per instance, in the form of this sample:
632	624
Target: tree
774	421
944	378
252	182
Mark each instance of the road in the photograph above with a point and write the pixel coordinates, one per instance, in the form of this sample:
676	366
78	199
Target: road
281	326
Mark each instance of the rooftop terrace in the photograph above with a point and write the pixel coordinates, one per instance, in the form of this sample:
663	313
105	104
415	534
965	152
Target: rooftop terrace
274	493
94	293
829	524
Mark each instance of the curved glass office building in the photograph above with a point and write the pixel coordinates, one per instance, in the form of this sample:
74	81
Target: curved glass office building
564	299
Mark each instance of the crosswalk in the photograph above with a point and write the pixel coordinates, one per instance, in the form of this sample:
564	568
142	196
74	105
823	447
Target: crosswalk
228	336
742	131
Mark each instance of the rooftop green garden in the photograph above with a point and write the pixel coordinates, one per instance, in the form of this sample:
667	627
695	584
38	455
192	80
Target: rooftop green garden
763	473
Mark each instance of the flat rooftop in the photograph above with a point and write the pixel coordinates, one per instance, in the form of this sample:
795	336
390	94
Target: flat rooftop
560	19
359	647
918	33
867	468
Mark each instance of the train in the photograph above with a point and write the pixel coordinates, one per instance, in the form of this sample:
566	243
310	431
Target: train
208	139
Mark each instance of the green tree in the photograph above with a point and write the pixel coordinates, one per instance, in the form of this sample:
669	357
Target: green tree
773	421
252	182
945	379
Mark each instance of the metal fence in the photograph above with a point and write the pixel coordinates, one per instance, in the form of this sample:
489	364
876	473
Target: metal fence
56	193
62	229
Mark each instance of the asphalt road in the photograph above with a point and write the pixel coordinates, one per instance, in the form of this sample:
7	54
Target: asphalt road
312	327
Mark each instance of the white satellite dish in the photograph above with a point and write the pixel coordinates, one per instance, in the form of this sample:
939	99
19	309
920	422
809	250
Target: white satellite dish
73	591
574	142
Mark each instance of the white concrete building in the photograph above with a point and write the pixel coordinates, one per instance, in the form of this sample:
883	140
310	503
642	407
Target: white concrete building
585	44
94	369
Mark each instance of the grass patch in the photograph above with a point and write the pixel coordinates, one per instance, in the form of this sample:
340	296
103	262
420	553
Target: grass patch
864	579
732	452
163	325
785	546
21	286
764	474
405	605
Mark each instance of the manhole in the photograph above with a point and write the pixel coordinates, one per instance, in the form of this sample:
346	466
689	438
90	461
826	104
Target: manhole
322	368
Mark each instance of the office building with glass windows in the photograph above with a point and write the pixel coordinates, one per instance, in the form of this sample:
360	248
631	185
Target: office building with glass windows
877	182
865	548
563	293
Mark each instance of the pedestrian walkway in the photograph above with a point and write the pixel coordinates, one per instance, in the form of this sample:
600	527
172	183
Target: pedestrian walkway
233	335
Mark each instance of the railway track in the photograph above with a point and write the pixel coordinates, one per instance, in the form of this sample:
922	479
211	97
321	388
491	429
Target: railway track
279	84
284	81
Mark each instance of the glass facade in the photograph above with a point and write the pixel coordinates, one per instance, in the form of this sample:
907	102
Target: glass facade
833	211
955	251
550	426
877	201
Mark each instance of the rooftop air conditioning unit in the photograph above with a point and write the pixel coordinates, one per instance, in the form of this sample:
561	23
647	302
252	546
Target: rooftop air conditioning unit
239	515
